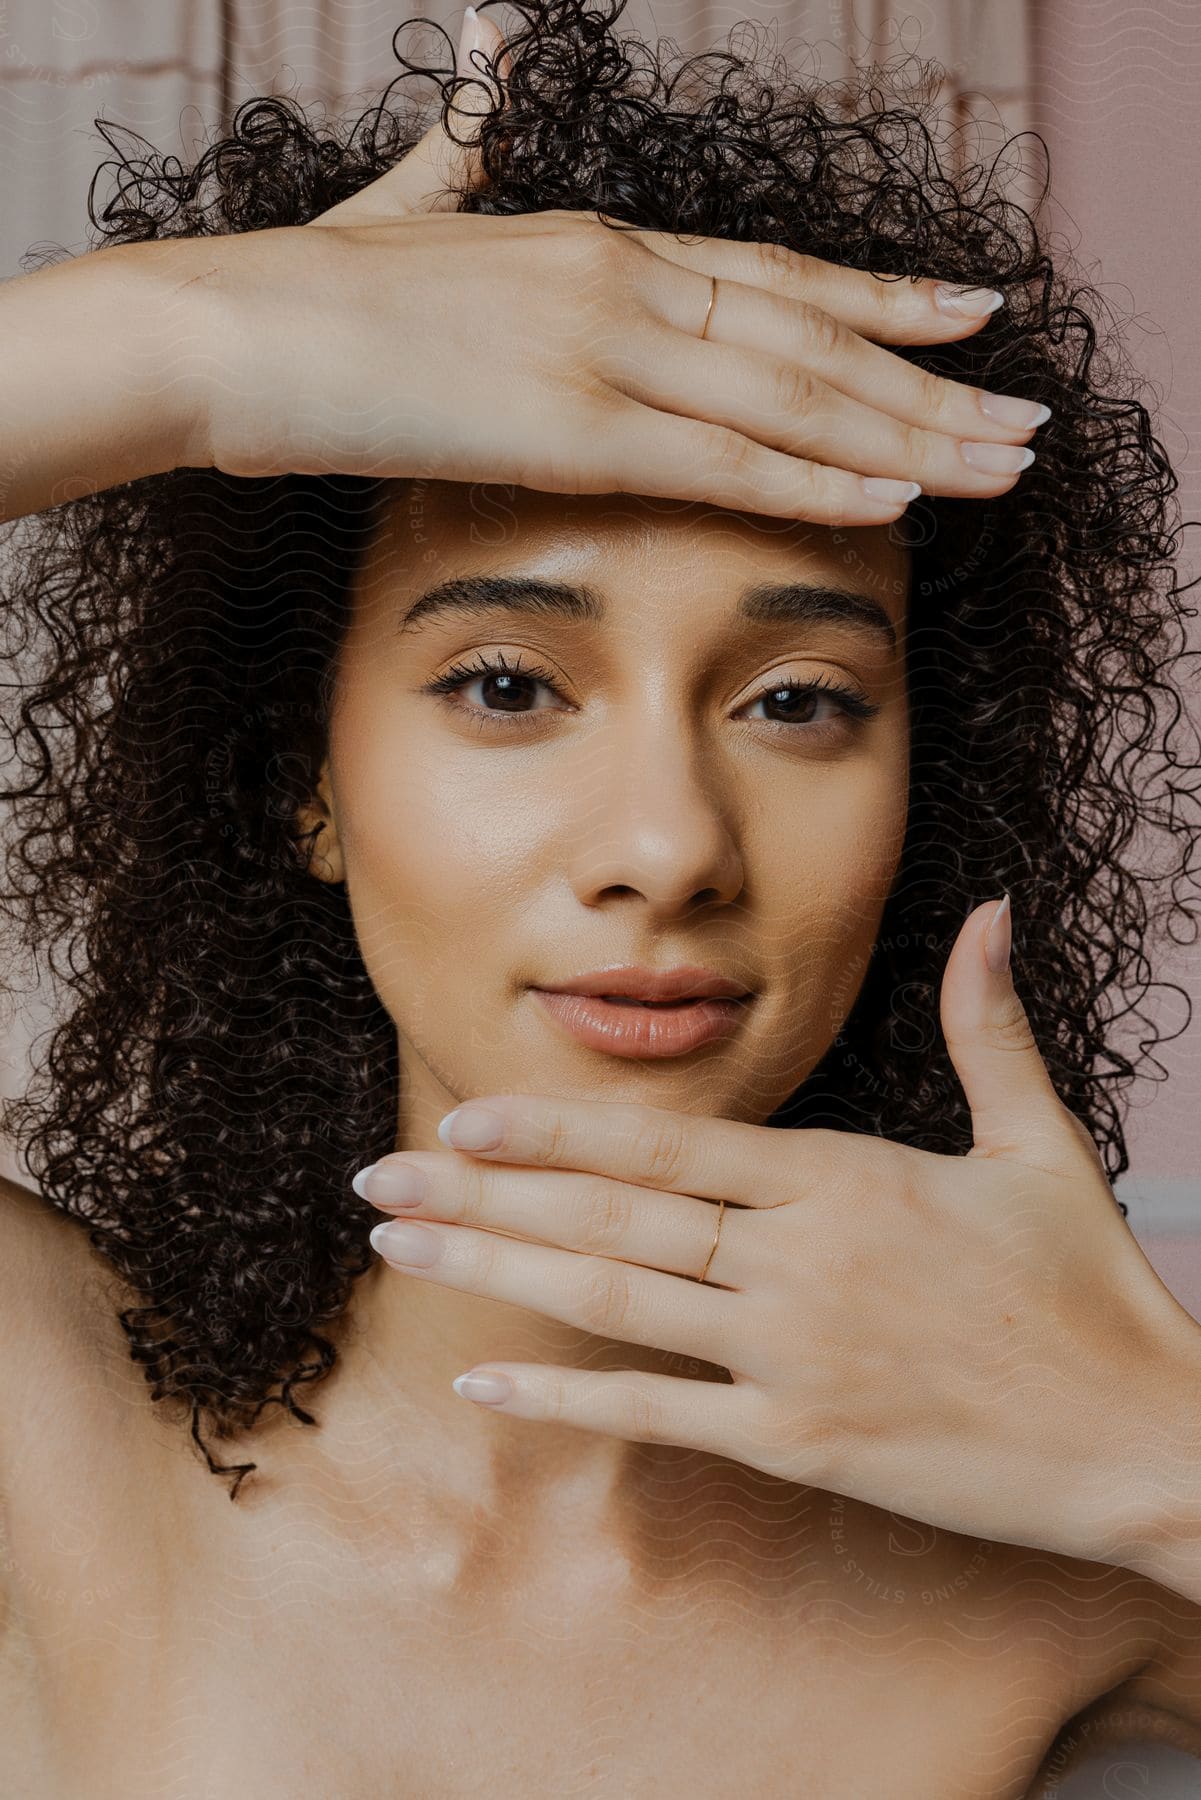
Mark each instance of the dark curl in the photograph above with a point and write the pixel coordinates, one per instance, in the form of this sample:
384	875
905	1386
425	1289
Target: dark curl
225	1064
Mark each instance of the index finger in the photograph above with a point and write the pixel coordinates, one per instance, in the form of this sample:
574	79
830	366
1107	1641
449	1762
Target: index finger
648	1146
888	309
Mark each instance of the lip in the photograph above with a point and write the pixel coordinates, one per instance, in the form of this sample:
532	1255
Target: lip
685	982
639	1032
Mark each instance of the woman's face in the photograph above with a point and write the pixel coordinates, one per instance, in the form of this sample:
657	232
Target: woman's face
673	796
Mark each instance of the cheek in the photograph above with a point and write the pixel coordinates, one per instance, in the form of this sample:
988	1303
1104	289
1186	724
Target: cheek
867	861
427	857
846	835
865	845
832	882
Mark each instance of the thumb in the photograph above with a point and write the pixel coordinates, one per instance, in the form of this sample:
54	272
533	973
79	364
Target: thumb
437	162
1012	1098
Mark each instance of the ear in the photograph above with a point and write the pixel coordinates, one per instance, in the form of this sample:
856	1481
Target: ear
326	863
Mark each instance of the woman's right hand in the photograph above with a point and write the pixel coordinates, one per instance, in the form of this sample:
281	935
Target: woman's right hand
393	336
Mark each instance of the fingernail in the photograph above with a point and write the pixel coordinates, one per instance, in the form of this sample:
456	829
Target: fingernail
472	1128
391	1184
890	493
996	459
966	302
1007	409
490	1388
998	939
411	1244
467	42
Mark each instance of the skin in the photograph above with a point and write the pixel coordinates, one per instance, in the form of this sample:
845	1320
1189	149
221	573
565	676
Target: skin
655	810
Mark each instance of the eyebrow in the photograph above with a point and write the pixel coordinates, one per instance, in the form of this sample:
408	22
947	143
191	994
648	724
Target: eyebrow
764	603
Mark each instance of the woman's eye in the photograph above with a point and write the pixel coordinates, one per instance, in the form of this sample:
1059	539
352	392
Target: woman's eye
505	691
810	703
501	689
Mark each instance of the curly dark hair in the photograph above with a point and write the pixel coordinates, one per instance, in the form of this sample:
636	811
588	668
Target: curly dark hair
226	1065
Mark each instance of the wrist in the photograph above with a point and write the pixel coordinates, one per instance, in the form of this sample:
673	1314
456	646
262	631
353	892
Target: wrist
169	362
1165	1544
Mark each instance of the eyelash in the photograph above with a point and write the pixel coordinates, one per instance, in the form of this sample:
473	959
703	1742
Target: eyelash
852	704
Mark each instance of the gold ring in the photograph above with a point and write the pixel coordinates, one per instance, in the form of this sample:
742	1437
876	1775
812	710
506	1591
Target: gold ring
721	1212
709	314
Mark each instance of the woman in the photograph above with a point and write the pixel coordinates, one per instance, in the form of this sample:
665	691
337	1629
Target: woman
426	638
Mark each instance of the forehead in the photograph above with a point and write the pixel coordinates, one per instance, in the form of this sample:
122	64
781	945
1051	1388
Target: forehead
640	553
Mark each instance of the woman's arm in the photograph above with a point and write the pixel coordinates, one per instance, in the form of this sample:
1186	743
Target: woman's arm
101	373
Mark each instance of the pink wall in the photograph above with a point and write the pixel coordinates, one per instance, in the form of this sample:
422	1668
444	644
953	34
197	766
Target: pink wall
1117	97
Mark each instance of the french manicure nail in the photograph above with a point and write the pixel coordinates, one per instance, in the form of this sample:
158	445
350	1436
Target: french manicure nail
966	302
890	493
996	459
411	1244
467	42
393	1184
1007	409
998	939
491	1389
471	1128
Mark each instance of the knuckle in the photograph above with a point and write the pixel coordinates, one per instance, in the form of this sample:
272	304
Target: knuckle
612	249
1011	1030
810	485
822	336
658	1147
588	253
814	1430
795	389
775	264
726	452
822	1426
484	1256
912	446
607	1216
557	1147
646	1415
935	398
472	1204
554	1404
605	1300
886	298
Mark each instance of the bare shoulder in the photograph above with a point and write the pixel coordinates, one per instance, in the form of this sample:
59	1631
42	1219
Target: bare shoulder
48	1274
58	1324
57	1318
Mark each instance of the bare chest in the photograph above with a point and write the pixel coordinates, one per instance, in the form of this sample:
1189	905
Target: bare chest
861	1653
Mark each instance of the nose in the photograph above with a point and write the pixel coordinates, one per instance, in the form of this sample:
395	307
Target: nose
656	820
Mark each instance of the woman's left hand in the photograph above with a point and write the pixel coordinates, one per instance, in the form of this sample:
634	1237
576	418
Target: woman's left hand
976	1341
